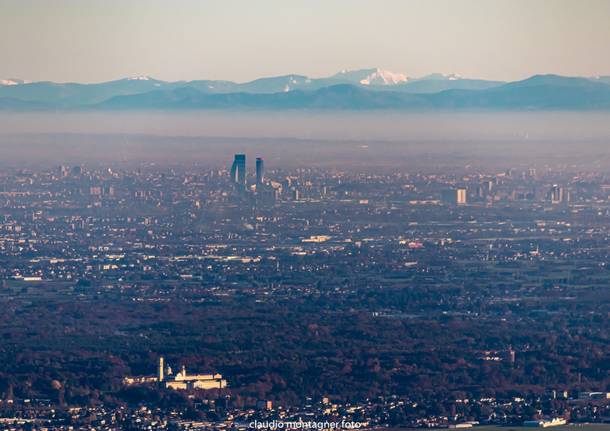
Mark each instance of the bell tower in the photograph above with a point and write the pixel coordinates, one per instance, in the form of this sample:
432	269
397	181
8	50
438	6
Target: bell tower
161	369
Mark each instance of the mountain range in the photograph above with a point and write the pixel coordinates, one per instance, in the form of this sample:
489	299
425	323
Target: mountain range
347	90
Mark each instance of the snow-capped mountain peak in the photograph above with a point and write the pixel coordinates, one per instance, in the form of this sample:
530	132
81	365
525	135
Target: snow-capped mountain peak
12	81
384	77
374	76
140	78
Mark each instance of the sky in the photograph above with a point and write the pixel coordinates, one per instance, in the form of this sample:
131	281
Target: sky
240	40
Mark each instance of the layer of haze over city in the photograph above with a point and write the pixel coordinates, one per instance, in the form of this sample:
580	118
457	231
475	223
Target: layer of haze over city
500	40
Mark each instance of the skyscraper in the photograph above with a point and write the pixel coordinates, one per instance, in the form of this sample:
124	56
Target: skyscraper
559	195
260	170
460	196
238	169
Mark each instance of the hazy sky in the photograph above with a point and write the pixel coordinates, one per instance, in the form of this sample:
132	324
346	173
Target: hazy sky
98	40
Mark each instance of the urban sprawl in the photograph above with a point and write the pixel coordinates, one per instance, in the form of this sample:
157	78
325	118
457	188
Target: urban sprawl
455	298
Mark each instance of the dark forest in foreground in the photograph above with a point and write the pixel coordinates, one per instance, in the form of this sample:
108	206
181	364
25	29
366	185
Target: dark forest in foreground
321	340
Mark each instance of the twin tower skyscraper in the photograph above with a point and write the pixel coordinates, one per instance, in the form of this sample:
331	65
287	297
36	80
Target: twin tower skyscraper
238	170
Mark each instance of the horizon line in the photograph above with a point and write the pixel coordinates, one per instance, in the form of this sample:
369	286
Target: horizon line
145	77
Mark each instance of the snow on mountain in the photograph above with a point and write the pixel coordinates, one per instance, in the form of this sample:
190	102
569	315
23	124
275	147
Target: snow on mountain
374	76
140	78
598	78
384	77
12	81
441	77
296	82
